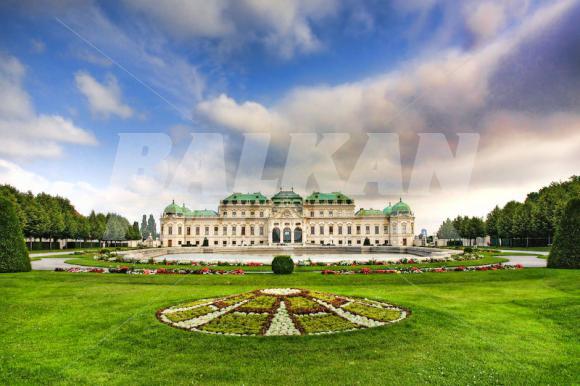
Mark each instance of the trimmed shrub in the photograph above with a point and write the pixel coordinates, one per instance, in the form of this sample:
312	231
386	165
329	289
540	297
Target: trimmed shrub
468	250
282	265
565	251
13	252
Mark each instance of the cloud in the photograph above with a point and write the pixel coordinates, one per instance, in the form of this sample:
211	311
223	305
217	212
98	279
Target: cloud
284	27
26	134
104	99
443	92
452	91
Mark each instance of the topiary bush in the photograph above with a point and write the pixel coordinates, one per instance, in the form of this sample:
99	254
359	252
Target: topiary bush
282	265
13	252
565	251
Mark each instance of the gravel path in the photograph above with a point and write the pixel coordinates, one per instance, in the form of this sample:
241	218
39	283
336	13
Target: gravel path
527	261
543	253
51	264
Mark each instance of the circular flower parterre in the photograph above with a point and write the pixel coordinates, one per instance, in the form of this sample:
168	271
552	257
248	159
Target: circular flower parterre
281	312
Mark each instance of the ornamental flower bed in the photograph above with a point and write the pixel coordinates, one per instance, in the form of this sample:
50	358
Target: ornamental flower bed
281	311
158	271
301	263
368	271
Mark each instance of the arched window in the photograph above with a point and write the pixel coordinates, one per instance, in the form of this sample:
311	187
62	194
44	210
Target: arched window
394	228
297	235
287	235
404	227
276	235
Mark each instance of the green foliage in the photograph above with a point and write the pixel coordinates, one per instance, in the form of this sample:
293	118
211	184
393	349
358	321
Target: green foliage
565	252
13	253
371	312
179	316
282	265
301	304
237	324
448	231
323	323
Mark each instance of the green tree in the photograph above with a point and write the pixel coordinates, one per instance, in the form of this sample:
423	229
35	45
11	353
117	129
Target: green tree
491	222
152	227
13	253
565	252
448	231
144	227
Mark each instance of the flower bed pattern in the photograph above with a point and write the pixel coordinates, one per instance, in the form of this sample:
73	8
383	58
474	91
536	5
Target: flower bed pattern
281	311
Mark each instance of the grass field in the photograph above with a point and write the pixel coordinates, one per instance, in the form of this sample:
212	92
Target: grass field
87	260
506	327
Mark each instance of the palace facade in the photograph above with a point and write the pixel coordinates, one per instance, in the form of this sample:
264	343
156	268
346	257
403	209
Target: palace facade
287	219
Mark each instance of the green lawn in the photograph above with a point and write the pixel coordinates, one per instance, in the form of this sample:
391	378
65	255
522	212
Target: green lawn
502	327
87	260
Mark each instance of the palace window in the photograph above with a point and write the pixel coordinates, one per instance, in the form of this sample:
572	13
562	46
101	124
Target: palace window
224	213
404	228
261	231
243	231
215	230
311	213
330	230
234	214
197	231
161	229
367	229
234	230
243	214
340	229
376	229
261	214
321	213
251	231
170	230
252	214
358	229
386	229
322	229
206	231
188	230
179	231
349	230
312	230
330	213
224	231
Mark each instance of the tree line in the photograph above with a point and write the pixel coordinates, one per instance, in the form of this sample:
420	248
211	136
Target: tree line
529	223
44	216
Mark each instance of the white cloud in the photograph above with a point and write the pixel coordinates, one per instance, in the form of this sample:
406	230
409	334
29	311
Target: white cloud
24	133
282	26
104	99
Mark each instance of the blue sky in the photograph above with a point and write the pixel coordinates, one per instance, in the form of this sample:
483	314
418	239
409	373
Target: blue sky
76	74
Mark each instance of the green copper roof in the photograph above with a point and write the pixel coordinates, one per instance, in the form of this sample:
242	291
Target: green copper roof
204	213
334	197
369	212
257	198
173	208
286	197
401	208
387	211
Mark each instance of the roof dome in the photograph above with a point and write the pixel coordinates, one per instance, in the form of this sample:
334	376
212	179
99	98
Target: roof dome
387	211
400	208
286	197
173	208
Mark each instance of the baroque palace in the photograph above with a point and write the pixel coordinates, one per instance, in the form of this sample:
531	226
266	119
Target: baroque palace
287	219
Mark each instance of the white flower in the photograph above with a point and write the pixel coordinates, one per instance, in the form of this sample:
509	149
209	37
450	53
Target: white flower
281	323
280	291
